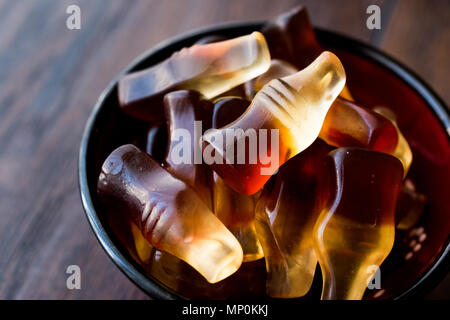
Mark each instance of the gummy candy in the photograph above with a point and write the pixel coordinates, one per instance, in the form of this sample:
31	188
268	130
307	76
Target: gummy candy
182	109
355	231
210	39
277	69
291	37
286	115
285	216
210	69
156	144
410	206
235	210
169	213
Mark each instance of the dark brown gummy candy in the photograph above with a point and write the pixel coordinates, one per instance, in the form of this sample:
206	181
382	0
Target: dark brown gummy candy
236	211
291	37
355	232
348	124
285	217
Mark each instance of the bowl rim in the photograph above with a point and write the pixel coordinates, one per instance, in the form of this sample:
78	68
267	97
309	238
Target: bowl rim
430	278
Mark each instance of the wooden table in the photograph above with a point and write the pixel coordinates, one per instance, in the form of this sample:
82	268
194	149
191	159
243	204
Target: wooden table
50	78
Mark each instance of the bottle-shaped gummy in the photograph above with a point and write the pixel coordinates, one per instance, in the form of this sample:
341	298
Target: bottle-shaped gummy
285	217
169	213
235	210
284	118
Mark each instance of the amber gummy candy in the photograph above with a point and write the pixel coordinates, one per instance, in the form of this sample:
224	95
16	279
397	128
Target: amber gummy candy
235	210
188	115
291	38
355	230
402	150
169	213
288	113
348	124
161	265
210	69
156	144
285	217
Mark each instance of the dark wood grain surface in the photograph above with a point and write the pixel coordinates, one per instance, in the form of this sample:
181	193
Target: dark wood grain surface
50	78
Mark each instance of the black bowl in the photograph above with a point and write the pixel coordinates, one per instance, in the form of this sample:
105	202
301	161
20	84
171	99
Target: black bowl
374	79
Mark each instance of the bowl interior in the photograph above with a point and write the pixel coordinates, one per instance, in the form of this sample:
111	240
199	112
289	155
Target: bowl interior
373	80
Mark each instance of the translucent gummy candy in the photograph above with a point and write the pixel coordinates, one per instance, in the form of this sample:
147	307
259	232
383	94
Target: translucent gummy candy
210	69
169	213
355	231
142	247
285	216
235	210
402	150
288	113
348	124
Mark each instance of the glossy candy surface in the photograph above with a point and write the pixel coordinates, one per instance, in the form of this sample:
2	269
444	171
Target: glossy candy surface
210	39
291	37
277	69
402	150
169	213
355	231
348	124
210	69
285	217
235	210
156	144
248	281
188	115
141	245
284	118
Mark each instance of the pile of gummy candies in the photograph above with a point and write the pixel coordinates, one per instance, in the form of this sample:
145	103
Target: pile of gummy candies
316	180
